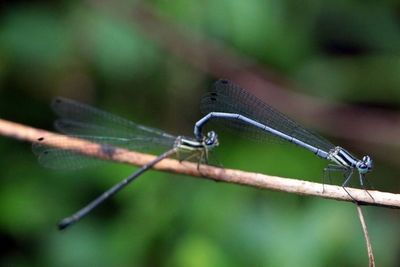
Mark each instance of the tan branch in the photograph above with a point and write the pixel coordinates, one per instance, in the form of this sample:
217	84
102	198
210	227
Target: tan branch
25	133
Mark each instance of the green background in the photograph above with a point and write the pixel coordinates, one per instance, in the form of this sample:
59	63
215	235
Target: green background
344	51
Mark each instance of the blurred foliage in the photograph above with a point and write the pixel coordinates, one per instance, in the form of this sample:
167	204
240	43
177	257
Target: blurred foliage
343	50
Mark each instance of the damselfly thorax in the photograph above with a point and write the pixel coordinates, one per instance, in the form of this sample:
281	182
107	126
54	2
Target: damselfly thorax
196	147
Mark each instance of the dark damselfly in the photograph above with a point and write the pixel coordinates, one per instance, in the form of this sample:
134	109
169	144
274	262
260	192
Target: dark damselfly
236	108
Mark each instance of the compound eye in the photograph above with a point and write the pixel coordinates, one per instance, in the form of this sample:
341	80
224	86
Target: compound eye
211	135
367	160
210	142
364	166
211	138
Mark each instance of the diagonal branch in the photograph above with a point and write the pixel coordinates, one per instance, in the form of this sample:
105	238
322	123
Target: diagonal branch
26	133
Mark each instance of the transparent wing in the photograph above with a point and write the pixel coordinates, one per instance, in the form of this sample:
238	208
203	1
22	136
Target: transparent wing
79	119
229	97
86	122
57	158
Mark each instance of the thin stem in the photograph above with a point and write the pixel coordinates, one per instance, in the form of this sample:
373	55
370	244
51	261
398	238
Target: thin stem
258	180
366	236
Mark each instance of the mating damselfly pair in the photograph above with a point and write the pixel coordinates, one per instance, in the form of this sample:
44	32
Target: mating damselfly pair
227	103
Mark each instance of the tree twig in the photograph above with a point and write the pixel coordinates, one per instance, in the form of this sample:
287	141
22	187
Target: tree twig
366	236
26	133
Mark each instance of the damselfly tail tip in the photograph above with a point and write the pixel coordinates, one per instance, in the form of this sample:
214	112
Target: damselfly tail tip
64	223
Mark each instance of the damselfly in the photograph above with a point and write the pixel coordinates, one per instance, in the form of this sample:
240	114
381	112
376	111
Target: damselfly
85	122
238	109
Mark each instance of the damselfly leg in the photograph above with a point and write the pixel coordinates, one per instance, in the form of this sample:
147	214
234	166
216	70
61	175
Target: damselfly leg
327	173
347	173
363	181
198	156
347	176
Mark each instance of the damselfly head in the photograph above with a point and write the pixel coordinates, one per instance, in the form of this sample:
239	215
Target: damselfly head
364	165
211	140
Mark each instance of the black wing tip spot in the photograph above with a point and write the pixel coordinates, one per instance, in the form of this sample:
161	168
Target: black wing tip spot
221	83
213	96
